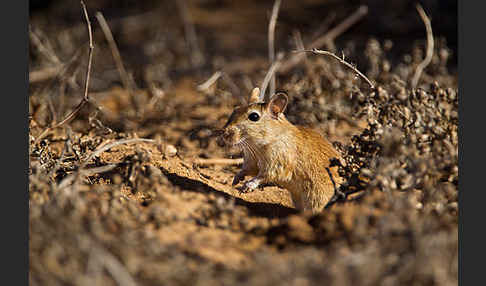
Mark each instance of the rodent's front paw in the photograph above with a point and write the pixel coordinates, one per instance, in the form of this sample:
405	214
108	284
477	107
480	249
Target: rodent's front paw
250	185
238	177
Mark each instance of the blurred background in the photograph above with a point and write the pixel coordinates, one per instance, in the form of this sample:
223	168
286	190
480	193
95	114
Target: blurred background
151	35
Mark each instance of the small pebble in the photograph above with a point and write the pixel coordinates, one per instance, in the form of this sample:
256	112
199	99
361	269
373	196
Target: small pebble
170	150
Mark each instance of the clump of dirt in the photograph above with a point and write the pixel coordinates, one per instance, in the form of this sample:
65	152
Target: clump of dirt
148	212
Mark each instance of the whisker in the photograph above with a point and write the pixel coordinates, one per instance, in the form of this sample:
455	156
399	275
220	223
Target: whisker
255	152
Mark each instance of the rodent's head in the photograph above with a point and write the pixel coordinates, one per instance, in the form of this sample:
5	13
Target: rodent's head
256	121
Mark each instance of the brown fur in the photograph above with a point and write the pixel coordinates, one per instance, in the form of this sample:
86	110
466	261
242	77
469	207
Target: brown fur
275	151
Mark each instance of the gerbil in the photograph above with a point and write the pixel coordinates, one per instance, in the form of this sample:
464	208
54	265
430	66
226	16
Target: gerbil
276	151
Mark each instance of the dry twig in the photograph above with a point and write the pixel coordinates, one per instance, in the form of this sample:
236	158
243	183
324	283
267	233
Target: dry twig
44	73
299	43
82	171
430	47
227	79
86	84
197	58
324	26
68	180
218	161
108	146
271	40
61	72
126	79
205	85
116	268
328	37
275	65
46	49
115	52
341	60
88	72
157	94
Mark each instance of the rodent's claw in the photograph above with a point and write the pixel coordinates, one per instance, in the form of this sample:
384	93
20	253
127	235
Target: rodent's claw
244	189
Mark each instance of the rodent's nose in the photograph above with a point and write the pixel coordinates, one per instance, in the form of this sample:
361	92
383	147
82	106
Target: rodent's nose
225	138
228	135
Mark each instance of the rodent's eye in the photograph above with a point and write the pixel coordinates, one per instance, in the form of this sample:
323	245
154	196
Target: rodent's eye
254	116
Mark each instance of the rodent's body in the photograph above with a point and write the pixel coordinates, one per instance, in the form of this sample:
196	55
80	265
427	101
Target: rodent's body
276	151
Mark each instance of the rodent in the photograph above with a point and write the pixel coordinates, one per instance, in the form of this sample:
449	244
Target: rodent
276	151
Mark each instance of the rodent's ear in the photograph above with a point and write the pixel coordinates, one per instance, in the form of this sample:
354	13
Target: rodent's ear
278	103
254	96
